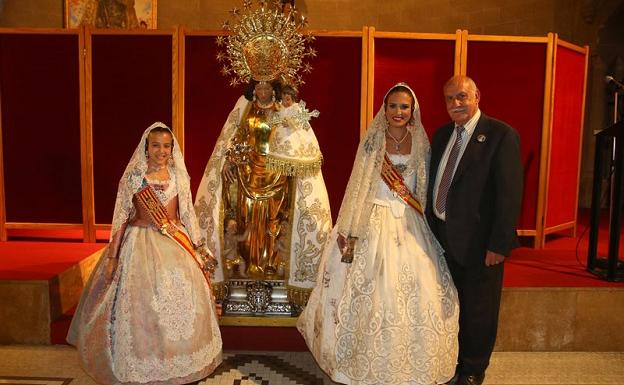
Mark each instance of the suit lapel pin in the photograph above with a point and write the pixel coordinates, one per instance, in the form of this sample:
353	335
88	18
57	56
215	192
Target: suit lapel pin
481	138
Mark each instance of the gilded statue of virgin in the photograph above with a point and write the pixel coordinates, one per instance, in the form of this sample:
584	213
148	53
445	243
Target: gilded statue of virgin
262	203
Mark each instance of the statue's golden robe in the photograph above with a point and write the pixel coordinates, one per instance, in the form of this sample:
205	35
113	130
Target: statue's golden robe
280	179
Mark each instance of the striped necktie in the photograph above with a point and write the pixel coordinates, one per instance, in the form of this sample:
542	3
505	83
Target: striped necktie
447	176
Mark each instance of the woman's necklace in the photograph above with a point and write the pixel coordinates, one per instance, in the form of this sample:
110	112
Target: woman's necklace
397	142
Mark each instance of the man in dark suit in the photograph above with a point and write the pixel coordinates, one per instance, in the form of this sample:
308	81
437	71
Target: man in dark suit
475	193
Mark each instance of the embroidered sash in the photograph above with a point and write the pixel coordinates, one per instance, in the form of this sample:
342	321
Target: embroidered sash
395	182
158	214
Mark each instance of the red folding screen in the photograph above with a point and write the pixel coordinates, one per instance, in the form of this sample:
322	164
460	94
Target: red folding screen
334	88
40	109
131	89
424	61
566	133
537	85
75	130
208	100
515	94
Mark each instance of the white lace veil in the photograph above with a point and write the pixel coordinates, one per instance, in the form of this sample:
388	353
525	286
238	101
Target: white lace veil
132	181
357	203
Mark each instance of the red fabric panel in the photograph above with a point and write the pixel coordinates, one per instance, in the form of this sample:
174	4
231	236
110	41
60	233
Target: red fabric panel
131	90
511	78
563	177
285	339
209	99
334	88
41	127
423	64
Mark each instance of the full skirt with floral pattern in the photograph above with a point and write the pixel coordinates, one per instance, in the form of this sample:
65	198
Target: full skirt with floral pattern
154	322
391	316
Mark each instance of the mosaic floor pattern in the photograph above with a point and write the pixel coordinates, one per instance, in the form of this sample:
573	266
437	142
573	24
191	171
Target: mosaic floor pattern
58	365
267	369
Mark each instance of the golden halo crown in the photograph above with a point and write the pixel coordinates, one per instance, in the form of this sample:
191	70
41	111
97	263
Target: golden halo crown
264	44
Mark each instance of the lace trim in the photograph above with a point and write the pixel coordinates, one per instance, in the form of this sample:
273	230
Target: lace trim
165	189
372	345
127	367
174	304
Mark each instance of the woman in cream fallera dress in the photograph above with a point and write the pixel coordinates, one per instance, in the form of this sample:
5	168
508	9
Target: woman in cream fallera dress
152	318
391	316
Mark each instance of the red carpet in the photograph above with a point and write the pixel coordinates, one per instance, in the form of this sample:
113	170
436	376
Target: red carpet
563	260
41	260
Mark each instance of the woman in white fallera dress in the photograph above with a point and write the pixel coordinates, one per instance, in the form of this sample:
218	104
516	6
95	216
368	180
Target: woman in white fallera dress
391	316
147	314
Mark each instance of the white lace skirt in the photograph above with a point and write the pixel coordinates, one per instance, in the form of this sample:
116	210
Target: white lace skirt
154	323
390	317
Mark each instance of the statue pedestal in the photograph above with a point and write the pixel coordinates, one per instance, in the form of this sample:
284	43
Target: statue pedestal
258	298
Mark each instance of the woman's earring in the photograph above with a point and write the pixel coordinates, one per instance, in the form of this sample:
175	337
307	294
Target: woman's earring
273	97
254	96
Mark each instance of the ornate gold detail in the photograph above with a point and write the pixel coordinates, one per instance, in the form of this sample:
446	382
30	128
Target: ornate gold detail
298	296
292	167
220	290
265	44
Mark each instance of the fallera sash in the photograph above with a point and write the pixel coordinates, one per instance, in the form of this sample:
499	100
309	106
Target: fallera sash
158	214
396	183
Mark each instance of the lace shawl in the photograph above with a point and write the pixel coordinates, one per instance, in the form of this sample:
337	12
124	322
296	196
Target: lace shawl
132	181
357	204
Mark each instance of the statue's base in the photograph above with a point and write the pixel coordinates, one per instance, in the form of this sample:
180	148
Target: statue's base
248	297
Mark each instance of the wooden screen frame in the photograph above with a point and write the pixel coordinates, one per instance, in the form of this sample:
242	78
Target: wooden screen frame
537	232
571	226
4	225
540	230
374	34
91	227
368	34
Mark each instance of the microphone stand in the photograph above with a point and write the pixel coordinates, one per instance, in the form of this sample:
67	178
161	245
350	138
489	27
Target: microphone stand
610	268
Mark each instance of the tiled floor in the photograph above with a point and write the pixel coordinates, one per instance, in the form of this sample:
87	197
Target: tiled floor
58	365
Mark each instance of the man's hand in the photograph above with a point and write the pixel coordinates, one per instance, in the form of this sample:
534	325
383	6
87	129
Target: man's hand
492	258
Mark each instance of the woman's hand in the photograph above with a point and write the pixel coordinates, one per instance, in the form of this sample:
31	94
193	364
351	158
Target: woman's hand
342	243
210	263
346	247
